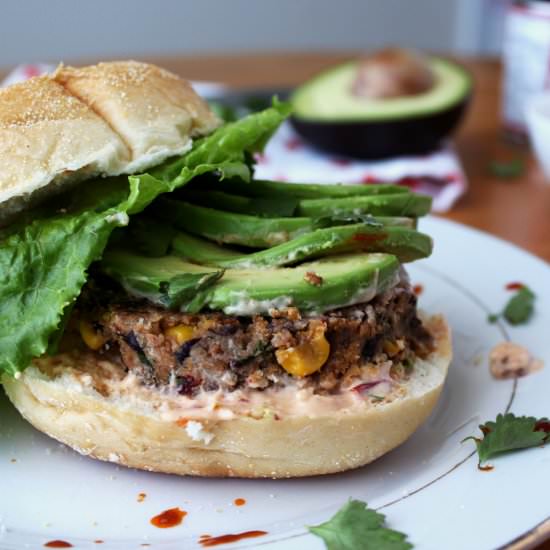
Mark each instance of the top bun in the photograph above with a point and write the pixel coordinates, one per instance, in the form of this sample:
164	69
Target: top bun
107	119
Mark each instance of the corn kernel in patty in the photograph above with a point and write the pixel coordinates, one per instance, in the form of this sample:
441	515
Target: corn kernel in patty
306	358
180	333
92	338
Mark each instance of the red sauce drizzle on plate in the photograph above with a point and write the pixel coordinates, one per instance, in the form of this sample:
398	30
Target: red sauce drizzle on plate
58	544
514	286
418	289
226	539
98	541
168	518
239	502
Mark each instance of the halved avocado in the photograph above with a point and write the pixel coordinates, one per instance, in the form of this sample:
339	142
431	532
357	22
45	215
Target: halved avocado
329	115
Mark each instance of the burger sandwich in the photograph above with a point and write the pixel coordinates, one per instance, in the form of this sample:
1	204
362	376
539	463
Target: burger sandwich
162	309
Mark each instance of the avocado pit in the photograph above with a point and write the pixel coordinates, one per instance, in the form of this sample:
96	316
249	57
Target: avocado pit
392	73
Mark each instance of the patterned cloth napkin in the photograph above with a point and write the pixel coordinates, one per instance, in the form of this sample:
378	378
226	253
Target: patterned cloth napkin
288	158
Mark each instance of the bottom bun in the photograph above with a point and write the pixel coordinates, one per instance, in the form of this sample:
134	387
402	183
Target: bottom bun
127	428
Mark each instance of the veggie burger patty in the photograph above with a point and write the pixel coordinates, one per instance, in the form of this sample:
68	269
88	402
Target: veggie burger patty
214	350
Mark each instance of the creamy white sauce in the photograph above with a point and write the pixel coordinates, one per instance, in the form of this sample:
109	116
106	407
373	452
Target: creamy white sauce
243	305
294	400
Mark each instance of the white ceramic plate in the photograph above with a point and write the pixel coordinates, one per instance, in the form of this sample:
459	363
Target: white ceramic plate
429	488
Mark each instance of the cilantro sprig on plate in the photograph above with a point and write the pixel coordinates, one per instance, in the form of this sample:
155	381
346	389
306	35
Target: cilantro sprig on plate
357	527
510	433
519	309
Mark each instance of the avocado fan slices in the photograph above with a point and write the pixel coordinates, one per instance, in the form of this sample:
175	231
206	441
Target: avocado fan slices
276	189
404	243
228	227
380	200
352	262
312	286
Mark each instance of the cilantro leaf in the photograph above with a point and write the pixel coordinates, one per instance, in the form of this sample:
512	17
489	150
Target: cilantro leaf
519	308
510	433
357	527
493	317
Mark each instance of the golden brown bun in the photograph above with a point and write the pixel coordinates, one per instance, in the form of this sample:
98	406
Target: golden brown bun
107	119
129	433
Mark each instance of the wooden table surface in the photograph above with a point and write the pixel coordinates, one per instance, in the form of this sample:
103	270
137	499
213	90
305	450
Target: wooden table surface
516	210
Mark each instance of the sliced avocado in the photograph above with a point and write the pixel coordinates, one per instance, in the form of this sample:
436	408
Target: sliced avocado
351	218
272	207
407	244
331	117
168	281
397	204
230	227
401	203
147	236
201	251
316	286
277	189
257	232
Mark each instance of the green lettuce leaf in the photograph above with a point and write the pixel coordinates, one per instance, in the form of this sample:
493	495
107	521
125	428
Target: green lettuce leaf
356	526
43	264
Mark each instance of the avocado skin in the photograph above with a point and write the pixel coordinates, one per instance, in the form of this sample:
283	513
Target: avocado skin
382	139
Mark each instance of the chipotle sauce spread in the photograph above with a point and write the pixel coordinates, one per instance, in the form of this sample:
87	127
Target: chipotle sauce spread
168	518
58	544
226	539
239	502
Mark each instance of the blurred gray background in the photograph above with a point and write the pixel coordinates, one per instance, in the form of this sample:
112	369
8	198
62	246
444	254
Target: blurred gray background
65	30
